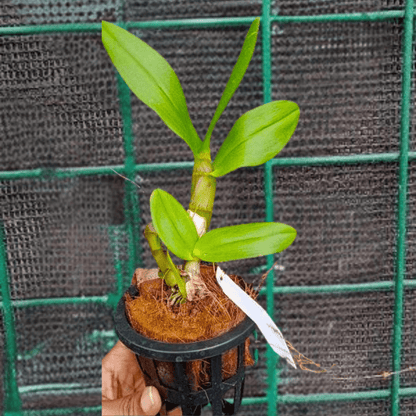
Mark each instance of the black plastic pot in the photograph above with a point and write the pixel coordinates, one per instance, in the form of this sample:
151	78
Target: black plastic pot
178	391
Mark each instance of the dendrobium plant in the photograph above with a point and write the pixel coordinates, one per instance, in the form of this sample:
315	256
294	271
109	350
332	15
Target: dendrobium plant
256	137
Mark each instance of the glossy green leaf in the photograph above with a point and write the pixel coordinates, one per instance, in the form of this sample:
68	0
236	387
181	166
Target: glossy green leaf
257	136
151	79
244	241
173	224
235	78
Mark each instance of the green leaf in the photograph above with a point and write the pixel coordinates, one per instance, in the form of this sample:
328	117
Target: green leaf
235	78
151	79
244	241
173	224
257	136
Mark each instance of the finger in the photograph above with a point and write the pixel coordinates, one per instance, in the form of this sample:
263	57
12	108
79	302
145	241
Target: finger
136	275
147	404
140	275
120	354
120	368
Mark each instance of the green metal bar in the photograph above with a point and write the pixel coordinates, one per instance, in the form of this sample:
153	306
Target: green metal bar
247	401
403	183
271	357
61	172
131	204
266	52
273	375
409	284
276	290
54	28
113	298
192	23
156	167
59	388
345	17
154	24
89	171
198	23
407	392
335	397
335	160
359	287
30	303
412	156
12	401
256	351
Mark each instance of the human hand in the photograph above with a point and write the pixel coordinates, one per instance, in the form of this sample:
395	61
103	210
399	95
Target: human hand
124	390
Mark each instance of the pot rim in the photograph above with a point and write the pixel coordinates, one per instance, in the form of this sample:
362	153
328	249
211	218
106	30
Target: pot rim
178	352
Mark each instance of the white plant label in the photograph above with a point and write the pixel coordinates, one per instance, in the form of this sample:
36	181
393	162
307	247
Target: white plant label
261	318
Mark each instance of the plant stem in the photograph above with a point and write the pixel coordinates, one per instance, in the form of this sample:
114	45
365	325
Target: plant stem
169	270
192	267
203	188
202	202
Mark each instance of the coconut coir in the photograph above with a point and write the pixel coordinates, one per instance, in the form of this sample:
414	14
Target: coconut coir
151	315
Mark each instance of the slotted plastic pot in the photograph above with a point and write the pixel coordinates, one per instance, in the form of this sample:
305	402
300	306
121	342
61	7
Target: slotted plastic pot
177	390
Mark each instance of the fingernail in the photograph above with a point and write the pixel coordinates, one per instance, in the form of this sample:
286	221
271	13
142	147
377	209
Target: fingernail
151	396
148	400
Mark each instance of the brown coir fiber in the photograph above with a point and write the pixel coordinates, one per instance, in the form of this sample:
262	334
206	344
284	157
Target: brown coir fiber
151	315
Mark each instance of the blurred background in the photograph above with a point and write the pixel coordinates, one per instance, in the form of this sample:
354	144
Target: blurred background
344	294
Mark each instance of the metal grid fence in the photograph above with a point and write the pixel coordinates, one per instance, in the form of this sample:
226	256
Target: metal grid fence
404	14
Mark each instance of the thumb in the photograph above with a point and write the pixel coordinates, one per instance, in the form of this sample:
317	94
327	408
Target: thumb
147	404
150	401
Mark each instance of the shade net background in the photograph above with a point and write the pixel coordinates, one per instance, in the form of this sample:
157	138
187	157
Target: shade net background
73	229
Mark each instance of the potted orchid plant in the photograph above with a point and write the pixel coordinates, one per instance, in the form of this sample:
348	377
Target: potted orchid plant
256	137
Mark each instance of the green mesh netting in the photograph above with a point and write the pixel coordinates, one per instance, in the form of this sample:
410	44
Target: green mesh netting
71	229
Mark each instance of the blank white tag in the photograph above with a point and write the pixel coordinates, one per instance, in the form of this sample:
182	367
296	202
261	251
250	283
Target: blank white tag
257	314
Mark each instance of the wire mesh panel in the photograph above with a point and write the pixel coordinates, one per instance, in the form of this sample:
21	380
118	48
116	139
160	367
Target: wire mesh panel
411	223
370	408
352	212
58	102
59	356
350	337
408	406
72	229
60	235
408	378
412	116
35	12
346	78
